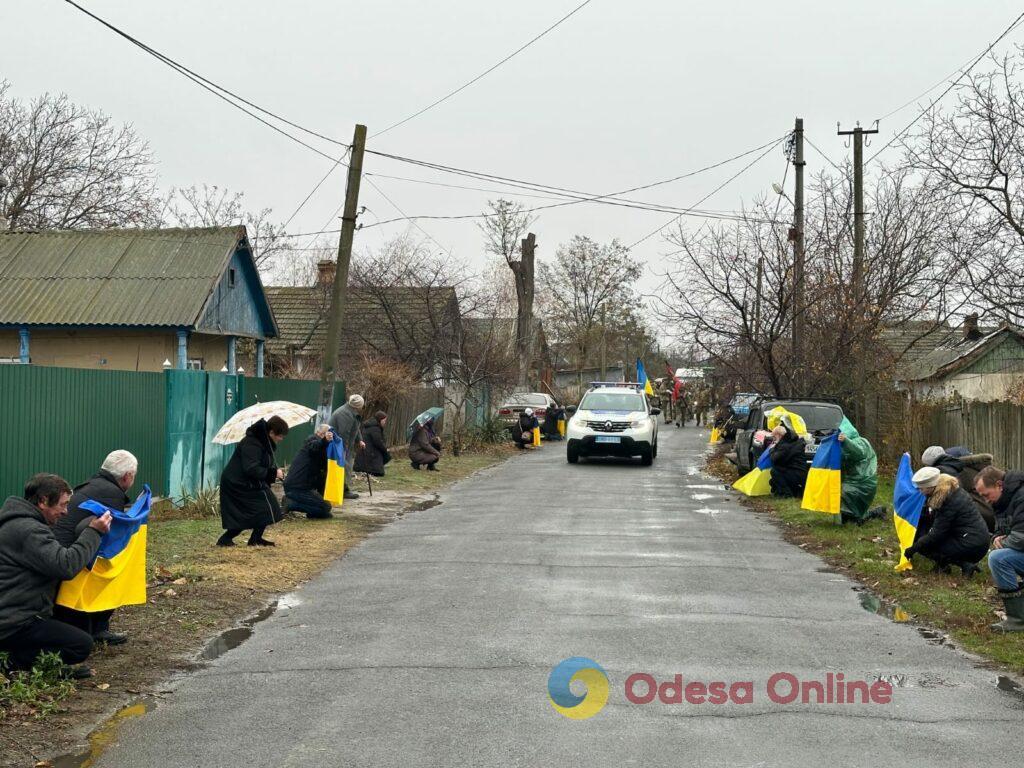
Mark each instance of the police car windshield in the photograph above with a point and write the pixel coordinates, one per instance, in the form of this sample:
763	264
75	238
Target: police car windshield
612	401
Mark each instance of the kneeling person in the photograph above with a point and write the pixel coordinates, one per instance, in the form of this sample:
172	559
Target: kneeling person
32	565
958	534
789	464
307	475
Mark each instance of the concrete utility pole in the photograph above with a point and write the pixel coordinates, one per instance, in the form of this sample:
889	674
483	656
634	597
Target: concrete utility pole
857	282
604	344
329	357
798	245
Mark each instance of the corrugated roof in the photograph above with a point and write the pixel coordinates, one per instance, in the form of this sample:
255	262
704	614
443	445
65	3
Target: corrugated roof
154	277
952	356
399	322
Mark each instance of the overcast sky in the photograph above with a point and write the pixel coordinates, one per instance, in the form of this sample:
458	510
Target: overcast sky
620	95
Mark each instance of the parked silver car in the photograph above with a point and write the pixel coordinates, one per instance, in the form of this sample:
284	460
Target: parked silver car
515	404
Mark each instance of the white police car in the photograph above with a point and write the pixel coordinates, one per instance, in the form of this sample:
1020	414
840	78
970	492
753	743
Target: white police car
613	419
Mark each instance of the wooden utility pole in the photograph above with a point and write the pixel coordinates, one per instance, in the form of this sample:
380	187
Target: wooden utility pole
523	272
798	248
329	356
857	282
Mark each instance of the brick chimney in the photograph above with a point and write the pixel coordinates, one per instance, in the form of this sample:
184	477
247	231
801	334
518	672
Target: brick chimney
971	332
326	270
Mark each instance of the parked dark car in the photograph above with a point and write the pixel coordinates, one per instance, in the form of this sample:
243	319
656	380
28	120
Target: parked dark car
820	417
739	410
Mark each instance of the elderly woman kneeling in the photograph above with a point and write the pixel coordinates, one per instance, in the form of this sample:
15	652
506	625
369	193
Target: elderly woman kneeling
958	535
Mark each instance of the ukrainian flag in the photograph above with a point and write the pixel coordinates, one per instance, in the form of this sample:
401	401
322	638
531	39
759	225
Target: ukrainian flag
641	376
117	575
907	502
757	482
824	481
334	488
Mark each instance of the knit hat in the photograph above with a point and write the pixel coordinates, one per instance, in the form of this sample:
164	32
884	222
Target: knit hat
926	477
380	416
932	454
528	411
356	401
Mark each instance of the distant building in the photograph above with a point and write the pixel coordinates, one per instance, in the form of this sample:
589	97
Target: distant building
975	364
131	299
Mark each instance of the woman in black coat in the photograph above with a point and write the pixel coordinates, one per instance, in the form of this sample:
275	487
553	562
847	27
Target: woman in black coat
375	455
246	500
958	534
789	463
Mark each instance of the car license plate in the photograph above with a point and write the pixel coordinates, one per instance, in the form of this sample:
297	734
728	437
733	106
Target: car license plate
812	448
607	439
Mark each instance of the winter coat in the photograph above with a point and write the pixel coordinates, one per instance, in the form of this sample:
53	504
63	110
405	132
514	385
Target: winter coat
1009	511
550	425
422	449
522	430
965	468
859	476
789	466
102	488
308	470
345	423
375	455
33	563
954	516
246	500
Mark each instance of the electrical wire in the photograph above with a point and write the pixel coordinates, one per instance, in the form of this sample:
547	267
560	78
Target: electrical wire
828	159
899	134
483	74
405	217
217	90
721	186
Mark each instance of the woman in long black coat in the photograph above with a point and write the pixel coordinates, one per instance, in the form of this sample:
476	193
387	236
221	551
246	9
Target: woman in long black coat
375	455
246	500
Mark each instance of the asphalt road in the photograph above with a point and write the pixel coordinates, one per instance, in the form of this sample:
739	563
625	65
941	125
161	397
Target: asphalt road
431	644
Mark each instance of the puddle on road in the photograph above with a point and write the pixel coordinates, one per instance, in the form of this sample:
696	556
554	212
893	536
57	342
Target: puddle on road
706	487
234	637
710	512
421	506
104	736
874	604
702	496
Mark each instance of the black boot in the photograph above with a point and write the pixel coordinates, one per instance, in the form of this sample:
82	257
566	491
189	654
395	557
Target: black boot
260	542
969	569
227	538
432	468
414	465
1013	602
110	638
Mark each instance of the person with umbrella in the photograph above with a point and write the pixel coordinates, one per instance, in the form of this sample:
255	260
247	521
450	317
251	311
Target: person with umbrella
246	500
424	445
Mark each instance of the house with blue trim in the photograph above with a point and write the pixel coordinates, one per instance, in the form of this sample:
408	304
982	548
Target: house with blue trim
132	299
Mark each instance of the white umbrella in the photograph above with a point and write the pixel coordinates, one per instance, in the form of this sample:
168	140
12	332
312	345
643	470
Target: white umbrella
234	430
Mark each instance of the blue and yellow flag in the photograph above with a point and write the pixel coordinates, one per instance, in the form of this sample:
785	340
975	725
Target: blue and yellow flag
824	482
757	482
641	376
907	502
334	488
117	575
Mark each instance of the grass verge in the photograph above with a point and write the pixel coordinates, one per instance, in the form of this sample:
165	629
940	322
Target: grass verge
961	608
195	591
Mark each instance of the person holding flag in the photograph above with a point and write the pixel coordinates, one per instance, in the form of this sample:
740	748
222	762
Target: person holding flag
307	476
32	565
641	376
789	463
958	535
109	487
859	476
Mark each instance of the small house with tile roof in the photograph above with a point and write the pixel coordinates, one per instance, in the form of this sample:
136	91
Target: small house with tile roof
131	299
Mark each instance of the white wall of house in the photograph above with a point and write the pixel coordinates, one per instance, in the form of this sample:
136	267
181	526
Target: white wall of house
984	387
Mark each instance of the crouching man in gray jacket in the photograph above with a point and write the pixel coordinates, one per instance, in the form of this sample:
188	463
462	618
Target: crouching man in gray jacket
32	565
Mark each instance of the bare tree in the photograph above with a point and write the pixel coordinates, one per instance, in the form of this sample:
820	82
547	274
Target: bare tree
974	153
584	279
68	167
505	232
212	206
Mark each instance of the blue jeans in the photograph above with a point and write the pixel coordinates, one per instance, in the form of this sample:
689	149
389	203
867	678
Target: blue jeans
308	501
1006	565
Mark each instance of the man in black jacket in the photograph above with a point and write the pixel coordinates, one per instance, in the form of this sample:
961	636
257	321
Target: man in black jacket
304	483
522	429
109	487
32	565
789	463
1005	492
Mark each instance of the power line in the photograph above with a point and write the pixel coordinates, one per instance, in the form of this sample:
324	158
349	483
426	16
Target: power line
828	159
405	217
949	88
575	196
217	90
712	192
483	74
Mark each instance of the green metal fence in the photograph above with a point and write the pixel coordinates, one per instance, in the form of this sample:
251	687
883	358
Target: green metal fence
66	420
